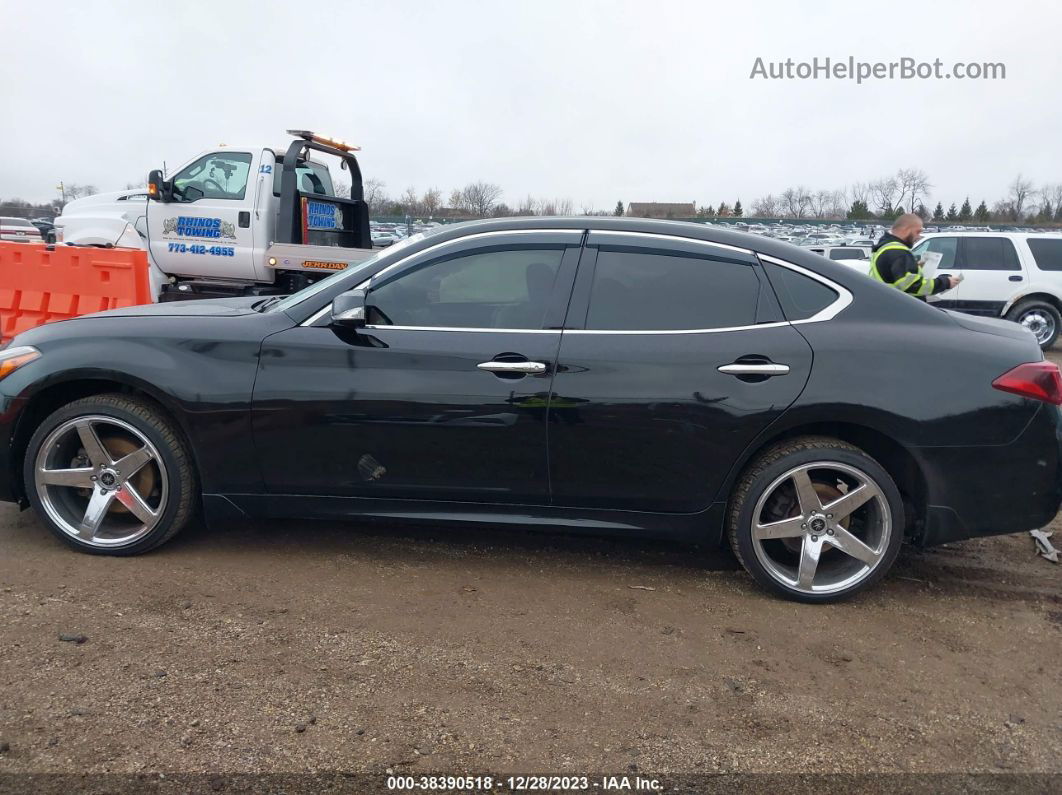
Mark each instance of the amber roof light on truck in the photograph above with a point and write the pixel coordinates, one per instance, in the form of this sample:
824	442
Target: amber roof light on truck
335	143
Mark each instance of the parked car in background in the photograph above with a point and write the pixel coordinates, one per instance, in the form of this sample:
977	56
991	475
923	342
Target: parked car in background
46	227
843	252
1012	275
598	374
19	230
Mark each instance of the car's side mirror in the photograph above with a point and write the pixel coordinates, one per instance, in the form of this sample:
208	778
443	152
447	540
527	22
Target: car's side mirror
157	188
349	309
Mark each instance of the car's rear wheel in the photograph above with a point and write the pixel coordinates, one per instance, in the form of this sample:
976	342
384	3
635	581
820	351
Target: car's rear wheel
816	520
109	474
1039	317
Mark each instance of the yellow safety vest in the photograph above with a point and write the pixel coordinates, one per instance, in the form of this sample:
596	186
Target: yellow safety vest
912	283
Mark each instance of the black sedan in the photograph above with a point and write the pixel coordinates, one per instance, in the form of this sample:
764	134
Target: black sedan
611	375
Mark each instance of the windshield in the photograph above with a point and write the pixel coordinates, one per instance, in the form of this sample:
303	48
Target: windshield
318	287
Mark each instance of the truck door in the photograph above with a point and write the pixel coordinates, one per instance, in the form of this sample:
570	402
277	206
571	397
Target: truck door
206	229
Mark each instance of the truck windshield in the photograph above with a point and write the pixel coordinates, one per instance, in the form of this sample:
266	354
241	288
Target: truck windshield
312	178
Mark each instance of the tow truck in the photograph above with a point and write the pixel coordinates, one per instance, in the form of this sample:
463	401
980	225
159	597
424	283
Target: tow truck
234	220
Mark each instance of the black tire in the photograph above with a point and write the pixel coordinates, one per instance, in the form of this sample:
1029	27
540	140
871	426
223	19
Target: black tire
774	463
1029	309
150	420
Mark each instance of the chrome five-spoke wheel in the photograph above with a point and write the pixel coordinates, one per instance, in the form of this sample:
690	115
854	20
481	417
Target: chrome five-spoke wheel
821	527
816	519
101	481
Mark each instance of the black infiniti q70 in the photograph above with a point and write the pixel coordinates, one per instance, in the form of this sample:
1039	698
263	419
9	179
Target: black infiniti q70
606	374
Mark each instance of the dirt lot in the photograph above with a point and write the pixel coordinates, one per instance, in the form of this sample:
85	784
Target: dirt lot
284	647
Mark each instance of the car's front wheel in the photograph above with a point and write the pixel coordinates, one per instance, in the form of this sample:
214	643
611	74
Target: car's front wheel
816	519
110	474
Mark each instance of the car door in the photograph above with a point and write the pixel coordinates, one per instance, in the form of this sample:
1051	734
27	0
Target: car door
675	356
442	396
206	229
991	274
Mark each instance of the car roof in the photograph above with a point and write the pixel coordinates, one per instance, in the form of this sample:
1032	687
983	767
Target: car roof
1012	235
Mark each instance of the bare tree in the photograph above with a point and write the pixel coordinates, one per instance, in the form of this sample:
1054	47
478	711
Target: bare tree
913	184
410	201
1020	189
76	191
884	192
790	203
859	192
374	193
529	206
766	206
480	197
431	201
457	200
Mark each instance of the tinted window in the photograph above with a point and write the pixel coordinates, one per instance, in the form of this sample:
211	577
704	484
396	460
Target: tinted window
847	253
801	296
989	254
222	175
310	176
1047	253
497	289
15	222
945	246
635	291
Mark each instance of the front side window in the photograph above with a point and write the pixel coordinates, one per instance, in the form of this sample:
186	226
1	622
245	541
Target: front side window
947	247
1047	253
499	289
643	291
222	175
989	254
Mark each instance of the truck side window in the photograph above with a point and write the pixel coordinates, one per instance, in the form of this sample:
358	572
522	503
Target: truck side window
989	254
221	175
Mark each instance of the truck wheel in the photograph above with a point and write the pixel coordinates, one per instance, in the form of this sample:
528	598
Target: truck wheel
815	520
110	475
1040	317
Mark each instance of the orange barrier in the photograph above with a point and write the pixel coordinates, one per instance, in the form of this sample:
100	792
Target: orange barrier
39	283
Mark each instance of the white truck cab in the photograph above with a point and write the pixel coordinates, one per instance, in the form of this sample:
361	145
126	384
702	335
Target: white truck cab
235	220
1012	275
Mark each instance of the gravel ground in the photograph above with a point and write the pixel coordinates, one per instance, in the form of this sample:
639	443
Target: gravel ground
301	647
320	646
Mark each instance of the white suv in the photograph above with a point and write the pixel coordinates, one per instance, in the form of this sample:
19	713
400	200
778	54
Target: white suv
1013	275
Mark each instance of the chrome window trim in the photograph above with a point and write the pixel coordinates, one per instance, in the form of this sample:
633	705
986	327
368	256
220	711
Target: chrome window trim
659	236
844	297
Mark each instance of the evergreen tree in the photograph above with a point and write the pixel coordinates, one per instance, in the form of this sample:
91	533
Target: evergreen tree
709	211
737	209
938	212
897	212
965	213
953	214
724	209
981	213
619	209
922	212
859	210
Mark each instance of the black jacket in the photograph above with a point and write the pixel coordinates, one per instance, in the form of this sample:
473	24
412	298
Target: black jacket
894	263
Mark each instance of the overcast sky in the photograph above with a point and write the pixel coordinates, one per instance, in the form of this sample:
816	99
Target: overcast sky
593	101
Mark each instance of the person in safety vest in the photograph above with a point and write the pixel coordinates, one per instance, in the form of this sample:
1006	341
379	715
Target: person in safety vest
892	262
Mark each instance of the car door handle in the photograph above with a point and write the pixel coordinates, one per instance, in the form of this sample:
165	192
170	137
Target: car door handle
528	368
754	369
1015	278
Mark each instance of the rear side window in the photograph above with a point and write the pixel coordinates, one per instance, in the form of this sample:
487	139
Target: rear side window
801	296
989	254
644	291
1047	253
